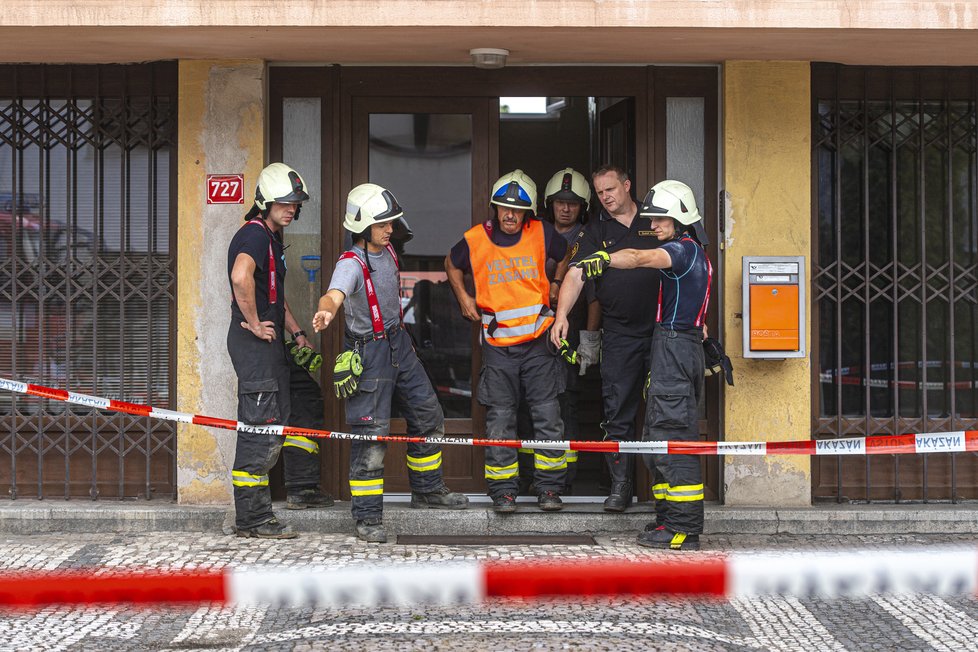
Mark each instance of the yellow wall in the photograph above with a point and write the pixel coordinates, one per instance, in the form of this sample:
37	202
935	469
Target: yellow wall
221	130
767	178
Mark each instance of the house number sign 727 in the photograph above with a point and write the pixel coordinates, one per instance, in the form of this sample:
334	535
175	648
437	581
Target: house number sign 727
225	188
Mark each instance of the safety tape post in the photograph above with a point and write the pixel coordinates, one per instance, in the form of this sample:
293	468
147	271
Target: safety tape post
851	574
943	442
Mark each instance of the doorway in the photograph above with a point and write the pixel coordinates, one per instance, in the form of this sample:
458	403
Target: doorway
439	153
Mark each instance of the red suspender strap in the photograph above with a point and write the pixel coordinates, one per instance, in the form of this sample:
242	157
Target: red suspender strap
376	319
272	280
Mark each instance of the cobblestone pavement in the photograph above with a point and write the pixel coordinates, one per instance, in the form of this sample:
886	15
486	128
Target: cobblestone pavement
921	623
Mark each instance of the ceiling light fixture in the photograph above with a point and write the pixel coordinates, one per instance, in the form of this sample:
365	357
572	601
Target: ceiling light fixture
488	57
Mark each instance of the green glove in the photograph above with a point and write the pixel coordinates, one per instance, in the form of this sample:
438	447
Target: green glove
567	353
306	357
346	373
594	265
645	387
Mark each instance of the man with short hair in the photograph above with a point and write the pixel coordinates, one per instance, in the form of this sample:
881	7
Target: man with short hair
626	320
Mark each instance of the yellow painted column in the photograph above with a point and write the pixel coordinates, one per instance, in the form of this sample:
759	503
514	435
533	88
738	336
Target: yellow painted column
767	180
221	130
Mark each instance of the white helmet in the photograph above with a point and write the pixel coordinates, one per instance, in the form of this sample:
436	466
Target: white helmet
568	185
370	204
674	199
516	190
279	183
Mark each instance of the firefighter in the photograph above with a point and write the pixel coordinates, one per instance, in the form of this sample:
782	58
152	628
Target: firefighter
260	317
378	367
507	257
675	381
626	321
566	199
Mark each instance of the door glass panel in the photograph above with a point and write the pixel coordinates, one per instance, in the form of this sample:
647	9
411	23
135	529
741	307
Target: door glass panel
685	131
302	149
425	159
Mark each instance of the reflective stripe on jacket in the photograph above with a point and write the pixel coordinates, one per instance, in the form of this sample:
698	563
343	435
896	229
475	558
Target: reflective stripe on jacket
511	285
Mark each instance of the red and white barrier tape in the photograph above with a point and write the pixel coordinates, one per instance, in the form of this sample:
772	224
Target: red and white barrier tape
830	575
946	442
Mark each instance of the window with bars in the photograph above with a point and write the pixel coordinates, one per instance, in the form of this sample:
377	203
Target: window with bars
895	274
87	275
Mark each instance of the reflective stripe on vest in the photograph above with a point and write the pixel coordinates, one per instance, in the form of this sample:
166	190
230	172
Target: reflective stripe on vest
511	285
376	319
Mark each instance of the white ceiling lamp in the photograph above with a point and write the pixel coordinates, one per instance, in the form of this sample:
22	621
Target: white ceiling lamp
488	57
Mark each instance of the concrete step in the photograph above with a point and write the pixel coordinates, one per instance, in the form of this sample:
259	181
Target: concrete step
28	516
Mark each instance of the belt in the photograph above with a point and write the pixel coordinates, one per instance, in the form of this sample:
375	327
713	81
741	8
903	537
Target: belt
386	335
691	334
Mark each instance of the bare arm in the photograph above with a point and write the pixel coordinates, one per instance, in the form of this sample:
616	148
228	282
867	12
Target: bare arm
632	258
570	290
243	286
329	304
292	326
456	278
593	315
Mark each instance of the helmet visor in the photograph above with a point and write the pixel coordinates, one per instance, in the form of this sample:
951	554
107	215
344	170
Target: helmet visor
512	194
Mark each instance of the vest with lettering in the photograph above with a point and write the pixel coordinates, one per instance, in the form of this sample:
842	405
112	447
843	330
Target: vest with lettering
511	285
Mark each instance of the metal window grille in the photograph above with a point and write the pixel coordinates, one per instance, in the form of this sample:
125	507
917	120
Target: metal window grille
87	276
895	275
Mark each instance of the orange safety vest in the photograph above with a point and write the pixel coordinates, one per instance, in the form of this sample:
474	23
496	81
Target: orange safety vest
511	285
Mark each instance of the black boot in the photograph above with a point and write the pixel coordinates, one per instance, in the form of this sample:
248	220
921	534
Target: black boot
621	467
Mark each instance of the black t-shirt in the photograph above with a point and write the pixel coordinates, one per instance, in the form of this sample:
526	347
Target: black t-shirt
555	245
628	297
253	239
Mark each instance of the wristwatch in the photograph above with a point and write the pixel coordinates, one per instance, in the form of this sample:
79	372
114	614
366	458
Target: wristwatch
299	333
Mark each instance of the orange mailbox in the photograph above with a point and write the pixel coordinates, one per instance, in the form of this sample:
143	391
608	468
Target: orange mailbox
774	307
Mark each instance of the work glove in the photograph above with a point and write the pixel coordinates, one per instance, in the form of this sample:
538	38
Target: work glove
594	265
645	387
716	360
567	353
346	373
589	350
306	357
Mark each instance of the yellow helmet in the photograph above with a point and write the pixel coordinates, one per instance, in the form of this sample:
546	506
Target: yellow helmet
516	190
568	185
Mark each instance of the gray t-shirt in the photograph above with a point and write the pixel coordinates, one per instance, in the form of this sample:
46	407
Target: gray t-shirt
348	279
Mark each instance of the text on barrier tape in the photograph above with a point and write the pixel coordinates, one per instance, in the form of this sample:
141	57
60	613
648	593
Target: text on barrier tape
851	574
945	442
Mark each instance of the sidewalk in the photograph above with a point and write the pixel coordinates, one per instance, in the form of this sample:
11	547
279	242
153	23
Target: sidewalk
29	516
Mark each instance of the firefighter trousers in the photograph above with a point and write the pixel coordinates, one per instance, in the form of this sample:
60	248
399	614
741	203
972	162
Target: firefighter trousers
672	413
263	375
301	454
392	377
529	371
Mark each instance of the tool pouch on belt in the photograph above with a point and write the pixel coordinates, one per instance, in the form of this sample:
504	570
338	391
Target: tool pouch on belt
346	373
716	360
258	401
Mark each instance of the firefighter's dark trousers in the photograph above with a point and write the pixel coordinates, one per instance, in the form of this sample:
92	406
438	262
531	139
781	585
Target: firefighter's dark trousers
302	470
392	375
672	413
263	374
530	371
624	365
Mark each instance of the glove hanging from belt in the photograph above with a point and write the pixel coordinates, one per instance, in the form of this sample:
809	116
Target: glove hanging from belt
567	353
305	357
346	373
716	360
589	350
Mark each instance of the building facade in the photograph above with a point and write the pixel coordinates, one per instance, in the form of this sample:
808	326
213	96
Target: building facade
841	132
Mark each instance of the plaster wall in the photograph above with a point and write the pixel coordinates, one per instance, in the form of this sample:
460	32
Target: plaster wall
767	180
221	130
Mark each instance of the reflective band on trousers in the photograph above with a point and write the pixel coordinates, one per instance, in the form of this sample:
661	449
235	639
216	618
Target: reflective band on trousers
526	451
502	472
367	487
659	491
546	463
244	479
685	493
304	443
571	457
422	464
